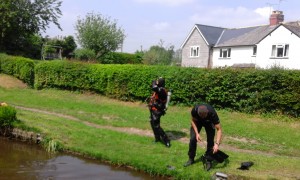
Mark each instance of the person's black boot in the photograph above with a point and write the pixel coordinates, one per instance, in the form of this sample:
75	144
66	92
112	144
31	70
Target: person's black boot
189	162
208	165
168	144
165	139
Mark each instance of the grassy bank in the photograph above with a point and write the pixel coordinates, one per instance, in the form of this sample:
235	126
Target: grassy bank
120	132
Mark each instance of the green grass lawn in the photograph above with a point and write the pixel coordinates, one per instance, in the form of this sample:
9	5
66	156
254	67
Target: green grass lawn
271	142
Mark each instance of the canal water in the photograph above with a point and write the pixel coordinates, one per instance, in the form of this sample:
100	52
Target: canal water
22	161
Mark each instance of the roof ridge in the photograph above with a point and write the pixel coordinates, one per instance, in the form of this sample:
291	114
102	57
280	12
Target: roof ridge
211	26
248	27
234	27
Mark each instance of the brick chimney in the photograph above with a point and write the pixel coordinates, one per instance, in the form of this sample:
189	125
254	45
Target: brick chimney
276	17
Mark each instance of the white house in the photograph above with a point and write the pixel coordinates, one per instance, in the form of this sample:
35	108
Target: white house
263	46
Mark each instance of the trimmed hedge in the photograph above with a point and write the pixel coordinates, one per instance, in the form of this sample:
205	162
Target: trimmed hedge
273	90
19	67
246	90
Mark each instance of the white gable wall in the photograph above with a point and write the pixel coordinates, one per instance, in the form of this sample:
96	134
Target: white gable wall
280	36
239	55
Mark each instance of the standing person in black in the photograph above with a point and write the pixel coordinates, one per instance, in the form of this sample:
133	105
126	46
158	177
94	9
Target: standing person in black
157	107
204	115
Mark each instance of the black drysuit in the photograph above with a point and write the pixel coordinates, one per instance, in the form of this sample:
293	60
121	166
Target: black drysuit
157	107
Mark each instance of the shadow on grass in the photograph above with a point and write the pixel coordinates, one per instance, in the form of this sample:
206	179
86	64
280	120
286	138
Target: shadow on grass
174	135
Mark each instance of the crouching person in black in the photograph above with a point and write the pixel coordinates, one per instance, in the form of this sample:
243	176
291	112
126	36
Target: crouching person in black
157	107
204	115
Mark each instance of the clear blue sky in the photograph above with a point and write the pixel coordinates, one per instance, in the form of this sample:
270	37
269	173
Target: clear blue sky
146	22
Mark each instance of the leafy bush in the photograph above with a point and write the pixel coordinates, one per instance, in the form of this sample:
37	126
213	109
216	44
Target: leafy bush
85	54
7	116
120	58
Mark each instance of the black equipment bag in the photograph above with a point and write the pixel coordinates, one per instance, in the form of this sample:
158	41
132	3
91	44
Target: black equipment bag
219	156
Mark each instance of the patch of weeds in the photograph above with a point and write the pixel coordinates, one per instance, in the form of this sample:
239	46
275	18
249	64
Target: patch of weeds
51	145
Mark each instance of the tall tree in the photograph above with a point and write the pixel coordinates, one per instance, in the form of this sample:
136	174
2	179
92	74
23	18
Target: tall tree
158	55
98	33
69	45
177	57
23	19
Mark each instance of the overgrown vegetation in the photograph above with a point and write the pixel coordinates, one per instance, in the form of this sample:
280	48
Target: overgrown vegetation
52	145
7	117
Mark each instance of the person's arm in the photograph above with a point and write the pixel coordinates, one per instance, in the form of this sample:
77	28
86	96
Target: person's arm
219	137
198	138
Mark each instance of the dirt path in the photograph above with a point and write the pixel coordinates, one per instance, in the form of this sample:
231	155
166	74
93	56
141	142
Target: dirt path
148	133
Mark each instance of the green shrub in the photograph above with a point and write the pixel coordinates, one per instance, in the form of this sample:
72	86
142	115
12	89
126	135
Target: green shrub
85	54
120	58
7	116
19	67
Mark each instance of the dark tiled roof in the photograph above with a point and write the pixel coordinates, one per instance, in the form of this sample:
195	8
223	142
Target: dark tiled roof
210	33
293	27
244	36
224	37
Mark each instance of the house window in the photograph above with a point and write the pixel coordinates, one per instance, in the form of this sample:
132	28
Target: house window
194	51
254	50
225	53
280	50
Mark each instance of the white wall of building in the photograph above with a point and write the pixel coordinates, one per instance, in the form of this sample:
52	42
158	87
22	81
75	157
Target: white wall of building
239	55
280	36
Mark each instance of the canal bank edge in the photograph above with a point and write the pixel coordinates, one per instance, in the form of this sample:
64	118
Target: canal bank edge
22	135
